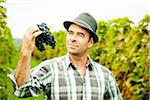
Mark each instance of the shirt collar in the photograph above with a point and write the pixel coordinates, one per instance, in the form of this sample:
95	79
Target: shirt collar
70	64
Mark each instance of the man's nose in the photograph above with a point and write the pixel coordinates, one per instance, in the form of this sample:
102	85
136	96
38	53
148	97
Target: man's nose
73	37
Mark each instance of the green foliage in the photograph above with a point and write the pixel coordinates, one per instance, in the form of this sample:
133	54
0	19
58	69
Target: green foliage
125	49
6	41
3	81
2	1
6	51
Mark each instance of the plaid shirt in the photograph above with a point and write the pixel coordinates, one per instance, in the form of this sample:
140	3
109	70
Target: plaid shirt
59	79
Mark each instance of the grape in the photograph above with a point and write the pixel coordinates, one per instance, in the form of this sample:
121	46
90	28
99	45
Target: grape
45	37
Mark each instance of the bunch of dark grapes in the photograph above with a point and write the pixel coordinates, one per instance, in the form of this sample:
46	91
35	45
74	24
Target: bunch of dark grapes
45	37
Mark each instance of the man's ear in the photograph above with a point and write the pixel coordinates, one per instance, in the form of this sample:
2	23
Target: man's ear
91	42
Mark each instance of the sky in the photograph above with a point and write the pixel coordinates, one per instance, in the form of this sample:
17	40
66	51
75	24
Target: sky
24	13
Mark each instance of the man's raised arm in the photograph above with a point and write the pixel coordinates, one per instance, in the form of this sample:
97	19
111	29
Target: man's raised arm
23	66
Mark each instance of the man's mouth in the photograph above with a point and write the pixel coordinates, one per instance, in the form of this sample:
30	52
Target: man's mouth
72	45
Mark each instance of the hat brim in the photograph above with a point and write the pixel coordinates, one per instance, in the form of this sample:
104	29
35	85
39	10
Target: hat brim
68	23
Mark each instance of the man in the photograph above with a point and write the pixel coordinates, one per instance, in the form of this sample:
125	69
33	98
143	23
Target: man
74	76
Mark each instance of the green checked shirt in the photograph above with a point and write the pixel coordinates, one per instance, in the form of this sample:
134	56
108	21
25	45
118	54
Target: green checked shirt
59	79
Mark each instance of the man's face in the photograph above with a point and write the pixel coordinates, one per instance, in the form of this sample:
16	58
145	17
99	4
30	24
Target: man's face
78	40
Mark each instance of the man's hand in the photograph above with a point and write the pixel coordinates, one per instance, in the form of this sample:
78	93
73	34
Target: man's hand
29	39
23	66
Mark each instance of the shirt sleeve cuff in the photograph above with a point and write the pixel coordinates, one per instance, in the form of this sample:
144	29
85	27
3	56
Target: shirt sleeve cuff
13	79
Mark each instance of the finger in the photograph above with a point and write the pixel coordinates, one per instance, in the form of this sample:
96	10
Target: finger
33	29
37	33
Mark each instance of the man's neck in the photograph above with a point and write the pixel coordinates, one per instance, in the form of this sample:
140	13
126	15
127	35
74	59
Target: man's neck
79	61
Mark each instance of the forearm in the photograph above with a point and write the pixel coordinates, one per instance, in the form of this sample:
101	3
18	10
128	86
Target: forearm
23	67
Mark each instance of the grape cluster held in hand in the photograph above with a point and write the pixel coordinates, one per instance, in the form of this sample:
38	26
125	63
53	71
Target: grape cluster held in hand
45	37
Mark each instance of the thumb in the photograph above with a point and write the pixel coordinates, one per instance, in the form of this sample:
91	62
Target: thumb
35	34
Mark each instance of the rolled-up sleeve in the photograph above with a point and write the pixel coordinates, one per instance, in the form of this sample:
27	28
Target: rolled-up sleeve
40	76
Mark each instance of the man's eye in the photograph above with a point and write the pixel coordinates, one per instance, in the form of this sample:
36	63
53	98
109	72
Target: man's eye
70	33
81	34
